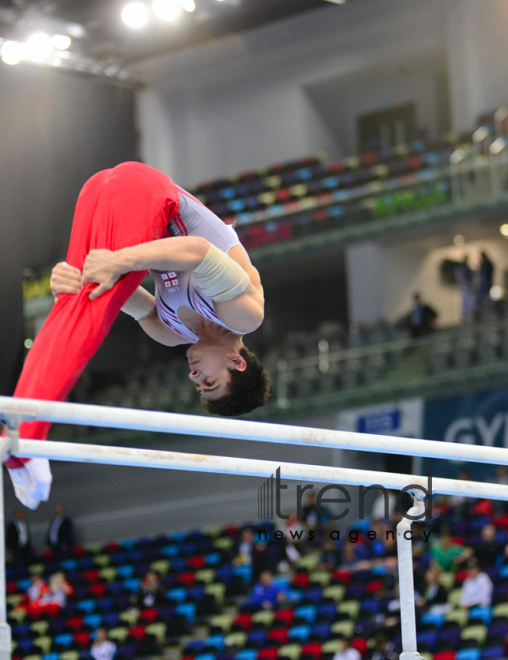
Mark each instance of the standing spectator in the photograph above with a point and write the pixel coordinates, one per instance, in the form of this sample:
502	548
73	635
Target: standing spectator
486	276
61	530
317	519
151	592
17	540
245	548
464	277
477	588
347	652
490	551
102	648
421	318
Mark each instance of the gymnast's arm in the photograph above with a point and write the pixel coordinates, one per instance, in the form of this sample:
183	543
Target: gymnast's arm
141	305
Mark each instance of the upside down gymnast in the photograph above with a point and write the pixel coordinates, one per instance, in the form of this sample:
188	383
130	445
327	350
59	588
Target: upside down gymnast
129	220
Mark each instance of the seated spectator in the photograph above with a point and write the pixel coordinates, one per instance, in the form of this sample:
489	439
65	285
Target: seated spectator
151	592
61	530
490	550
17	540
384	648
330	556
422	317
42	599
447	554
37	589
265	594
346	651
477	588
59	589
433	593
102	648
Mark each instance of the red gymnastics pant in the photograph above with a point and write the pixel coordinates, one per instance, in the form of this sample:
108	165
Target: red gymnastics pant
117	208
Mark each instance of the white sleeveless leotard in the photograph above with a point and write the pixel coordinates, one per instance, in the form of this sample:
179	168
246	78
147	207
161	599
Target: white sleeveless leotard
177	289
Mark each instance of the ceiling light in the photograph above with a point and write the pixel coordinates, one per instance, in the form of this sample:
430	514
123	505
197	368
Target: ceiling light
188	5
61	41
459	240
38	47
496	293
167	10
504	229
11	52
135	15
497	146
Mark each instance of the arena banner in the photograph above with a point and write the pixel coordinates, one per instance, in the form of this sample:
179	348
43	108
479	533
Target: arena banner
475	419
401	418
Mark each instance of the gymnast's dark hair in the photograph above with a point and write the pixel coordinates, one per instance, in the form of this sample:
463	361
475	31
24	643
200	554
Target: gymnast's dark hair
247	391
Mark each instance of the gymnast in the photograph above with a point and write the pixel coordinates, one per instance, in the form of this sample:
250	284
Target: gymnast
128	220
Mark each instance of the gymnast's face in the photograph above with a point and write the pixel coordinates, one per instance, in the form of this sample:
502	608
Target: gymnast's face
210	368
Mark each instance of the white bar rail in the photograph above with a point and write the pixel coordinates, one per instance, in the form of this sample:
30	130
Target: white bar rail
143	420
169	460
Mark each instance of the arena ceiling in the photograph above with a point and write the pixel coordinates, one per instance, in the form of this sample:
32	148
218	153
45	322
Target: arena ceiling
105	37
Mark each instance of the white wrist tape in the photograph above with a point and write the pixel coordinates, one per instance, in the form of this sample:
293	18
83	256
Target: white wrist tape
138	307
219	277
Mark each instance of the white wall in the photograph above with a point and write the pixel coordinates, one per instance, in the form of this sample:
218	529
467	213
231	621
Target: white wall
243	102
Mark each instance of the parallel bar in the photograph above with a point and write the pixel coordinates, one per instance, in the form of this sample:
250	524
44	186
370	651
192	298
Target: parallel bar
81	453
124	418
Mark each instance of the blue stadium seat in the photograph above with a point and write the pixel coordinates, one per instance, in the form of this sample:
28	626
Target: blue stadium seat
246	654
299	632
468	654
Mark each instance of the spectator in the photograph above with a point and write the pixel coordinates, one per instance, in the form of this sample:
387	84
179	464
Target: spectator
347	652
464	277
59	589
151	592
61	530
330	556
384	648
433	594
488	552
447	554
37	589
265	594
316	519
486	277
17	540
102	648
245	548
477	588
421	318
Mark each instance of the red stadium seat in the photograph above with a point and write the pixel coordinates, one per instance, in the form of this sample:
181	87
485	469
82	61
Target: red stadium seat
286	615
197	563
244	620
360	644
278	635
138	632
188	578
267	654
149	614
445	655
76	623
313	648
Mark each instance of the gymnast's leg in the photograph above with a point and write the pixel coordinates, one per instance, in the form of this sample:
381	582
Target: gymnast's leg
125	206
